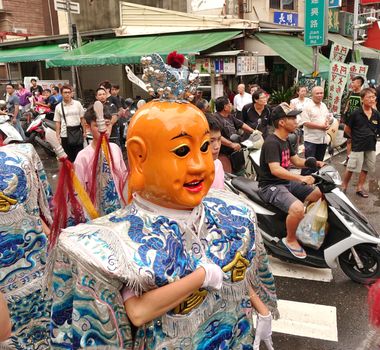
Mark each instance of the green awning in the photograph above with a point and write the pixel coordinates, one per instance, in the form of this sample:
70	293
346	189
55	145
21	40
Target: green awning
294	51
29	54
129	50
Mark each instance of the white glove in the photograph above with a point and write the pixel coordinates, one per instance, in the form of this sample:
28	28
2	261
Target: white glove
263	332
214	276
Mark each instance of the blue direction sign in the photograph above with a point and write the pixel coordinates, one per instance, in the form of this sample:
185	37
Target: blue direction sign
316	22
335	3
285	18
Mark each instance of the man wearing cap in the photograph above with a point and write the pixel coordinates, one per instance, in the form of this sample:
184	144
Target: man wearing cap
280	187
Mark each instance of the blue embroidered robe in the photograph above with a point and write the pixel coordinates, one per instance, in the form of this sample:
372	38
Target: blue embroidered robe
143	250
24	198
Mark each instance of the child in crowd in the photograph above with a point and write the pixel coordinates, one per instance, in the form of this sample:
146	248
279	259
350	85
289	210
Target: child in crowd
85	158
216	142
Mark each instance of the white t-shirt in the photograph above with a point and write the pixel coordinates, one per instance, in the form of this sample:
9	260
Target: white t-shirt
315	114
73	113
300	105
240	101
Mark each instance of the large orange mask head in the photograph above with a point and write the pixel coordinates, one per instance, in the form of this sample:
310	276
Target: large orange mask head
169	154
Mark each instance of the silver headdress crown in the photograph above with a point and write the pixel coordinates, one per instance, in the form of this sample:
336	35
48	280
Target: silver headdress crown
172	81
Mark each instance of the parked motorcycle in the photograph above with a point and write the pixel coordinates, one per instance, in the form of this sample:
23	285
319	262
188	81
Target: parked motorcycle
36	133
8	133
351	240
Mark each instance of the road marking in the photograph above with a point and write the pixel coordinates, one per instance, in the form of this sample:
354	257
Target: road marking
306	320
284	269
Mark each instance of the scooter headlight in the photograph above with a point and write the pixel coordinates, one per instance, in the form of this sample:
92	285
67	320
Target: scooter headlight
335	176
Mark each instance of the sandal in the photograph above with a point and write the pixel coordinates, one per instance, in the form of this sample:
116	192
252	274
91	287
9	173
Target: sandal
362	194
297	253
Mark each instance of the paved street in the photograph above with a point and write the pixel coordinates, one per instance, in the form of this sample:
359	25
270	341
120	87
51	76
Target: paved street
321	309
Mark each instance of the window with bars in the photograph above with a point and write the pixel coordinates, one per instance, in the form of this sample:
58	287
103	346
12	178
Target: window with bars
283	4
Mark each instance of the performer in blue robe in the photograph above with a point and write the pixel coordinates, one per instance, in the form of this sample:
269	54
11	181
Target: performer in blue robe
182	264
24	216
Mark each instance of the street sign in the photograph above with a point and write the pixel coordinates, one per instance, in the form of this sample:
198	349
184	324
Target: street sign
335	3
61	5
369	2
285	18
333	20
316	22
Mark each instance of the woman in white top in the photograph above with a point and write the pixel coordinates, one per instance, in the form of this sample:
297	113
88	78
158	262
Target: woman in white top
301	101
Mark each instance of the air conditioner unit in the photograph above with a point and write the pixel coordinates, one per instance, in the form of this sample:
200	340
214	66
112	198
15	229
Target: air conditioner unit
20	30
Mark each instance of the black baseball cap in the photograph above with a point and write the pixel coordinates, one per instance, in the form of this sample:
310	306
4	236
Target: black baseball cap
283	110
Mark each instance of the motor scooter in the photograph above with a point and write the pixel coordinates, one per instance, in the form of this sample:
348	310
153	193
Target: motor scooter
36	134
351	240
8	134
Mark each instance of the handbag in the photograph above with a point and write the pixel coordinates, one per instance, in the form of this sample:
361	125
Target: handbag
74	133
237	160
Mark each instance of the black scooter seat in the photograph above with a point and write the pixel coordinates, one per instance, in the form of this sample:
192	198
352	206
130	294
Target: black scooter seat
50	123
251	189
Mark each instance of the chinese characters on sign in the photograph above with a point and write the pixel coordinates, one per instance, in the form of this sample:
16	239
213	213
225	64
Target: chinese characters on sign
333	20
316	21
285	18
356	69
246	65
337	82
338	52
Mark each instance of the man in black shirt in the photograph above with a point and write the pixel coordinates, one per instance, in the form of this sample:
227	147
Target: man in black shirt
230	125
101	95
363	127
34	87
280	187
257	114
352	102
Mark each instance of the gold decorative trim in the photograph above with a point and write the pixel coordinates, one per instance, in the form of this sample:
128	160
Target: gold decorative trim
191	302
238	267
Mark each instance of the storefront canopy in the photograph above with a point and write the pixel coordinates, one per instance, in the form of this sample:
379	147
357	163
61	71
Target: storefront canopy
129	50
294	51
29	54
365	52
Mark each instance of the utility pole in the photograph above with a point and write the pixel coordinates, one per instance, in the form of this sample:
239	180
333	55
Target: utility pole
70	24
355	28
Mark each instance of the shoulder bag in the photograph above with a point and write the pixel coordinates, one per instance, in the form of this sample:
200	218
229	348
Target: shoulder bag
74	133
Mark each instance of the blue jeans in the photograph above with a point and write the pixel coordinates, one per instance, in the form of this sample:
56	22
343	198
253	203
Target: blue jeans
19	128
316	150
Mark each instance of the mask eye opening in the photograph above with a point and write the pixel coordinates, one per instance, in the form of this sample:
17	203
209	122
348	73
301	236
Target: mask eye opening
204	148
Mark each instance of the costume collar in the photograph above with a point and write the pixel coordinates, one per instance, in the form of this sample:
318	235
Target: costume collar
191	218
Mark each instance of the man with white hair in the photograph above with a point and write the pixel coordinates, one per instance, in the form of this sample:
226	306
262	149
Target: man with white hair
240	100
315	121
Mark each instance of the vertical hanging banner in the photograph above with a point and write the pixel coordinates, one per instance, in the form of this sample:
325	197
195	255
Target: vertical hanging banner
338	52
337	81
357	69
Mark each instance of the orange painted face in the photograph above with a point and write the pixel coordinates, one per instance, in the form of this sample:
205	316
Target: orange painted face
170	156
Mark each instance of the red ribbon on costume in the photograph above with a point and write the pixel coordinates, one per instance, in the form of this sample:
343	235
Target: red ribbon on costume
65	193
103	143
